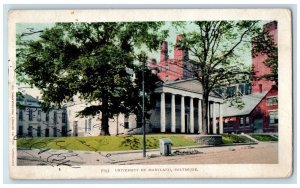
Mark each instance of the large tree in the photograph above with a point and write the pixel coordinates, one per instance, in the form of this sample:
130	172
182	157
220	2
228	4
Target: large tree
88	60
214	50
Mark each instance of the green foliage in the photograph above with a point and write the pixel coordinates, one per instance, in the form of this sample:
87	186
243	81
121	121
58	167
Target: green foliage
213	48
264	137
233	139
132	142
235	101
89	60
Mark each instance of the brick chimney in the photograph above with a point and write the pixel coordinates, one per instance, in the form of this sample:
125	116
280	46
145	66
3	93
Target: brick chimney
178	53
164	51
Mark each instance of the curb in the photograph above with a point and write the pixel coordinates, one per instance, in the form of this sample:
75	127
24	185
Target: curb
177	148
251	138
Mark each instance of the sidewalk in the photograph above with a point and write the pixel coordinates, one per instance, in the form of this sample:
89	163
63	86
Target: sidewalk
184	155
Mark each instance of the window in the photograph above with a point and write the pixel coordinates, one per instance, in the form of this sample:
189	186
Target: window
30	115
54	131
273	117
126	125
30	131
39	115
64	130
85	126
247	121
63	117
248	89
20	115
126	121
225	123
20	130
47	117
272	101
90	124
242	89
260	88
230	124
47	132
55	117
241	122
38	132
75	128
230	91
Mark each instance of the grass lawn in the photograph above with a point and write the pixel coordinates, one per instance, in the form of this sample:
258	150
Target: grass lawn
233	139
103	143
264	137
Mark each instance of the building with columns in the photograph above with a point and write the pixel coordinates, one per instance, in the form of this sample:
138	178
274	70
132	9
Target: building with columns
178	109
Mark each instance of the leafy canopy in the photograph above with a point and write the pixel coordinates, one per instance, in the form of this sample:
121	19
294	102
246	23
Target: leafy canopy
89	61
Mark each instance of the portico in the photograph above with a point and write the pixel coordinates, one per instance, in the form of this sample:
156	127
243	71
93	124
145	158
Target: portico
180	109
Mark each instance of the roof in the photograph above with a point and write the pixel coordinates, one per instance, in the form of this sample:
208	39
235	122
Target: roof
191	85
250	102
30	101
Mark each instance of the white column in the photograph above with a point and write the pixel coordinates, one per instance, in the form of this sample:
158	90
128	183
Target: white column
173	115
191	115
214	119
182	115
208	118
162	113
200	116
221	118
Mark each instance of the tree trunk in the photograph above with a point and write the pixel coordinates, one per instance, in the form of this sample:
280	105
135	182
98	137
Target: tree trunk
104	125
205	120
104	119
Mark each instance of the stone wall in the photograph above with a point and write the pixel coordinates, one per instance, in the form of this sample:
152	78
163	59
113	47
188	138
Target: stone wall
208	139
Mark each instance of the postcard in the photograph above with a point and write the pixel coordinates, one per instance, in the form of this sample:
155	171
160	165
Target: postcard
150	93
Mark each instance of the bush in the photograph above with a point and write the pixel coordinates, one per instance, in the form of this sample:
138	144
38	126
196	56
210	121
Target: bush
233	139
264	137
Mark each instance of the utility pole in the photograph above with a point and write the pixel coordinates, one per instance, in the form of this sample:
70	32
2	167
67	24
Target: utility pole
143	58
143	116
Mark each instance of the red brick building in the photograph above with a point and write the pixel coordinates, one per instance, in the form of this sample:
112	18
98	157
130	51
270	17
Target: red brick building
260	112
259	68
171	69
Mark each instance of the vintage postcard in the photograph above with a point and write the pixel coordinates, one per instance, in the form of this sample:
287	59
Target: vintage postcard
150	93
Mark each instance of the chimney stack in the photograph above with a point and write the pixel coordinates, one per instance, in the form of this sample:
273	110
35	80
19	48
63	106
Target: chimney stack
164	51
178	53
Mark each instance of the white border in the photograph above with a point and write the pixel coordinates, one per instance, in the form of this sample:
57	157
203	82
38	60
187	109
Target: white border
283	16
